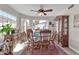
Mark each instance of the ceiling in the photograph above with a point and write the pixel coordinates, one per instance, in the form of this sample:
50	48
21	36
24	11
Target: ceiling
25	8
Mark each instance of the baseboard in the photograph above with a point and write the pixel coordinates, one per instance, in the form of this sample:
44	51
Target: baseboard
62	48
69	53
74	49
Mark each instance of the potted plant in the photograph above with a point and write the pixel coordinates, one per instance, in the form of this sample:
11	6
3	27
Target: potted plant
6	29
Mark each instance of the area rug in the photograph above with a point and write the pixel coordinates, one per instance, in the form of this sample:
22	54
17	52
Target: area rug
50	51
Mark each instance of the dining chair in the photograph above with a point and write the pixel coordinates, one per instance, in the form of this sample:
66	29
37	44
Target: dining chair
29	33
36	41
45	36
23	36
53	38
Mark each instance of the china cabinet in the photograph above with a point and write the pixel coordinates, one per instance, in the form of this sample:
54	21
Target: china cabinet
63	30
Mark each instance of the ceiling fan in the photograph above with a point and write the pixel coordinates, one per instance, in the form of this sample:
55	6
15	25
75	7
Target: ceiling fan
42	11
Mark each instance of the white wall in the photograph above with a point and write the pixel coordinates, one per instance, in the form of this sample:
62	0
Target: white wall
73	32
73	35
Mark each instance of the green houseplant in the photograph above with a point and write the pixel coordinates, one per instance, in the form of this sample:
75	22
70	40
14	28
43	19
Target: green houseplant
6	28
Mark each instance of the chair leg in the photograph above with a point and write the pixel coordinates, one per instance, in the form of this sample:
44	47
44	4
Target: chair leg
40	49
30	49
54	45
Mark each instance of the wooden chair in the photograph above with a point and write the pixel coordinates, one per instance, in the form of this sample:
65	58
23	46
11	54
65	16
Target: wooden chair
45	36
36	45
29	33
53	38
35	41
23	37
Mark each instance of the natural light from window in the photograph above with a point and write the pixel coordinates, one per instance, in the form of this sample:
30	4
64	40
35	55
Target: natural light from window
7	18
42	24
7	15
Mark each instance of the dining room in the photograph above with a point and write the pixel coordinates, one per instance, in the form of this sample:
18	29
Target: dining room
37	29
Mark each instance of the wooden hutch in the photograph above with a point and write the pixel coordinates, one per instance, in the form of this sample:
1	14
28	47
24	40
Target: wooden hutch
63	30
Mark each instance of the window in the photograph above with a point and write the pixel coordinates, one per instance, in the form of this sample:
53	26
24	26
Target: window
7	18
41	21
27	22
42	24
7	15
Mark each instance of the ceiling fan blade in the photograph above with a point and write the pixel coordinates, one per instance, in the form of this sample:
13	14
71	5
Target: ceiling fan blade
34	10
49	10
44	13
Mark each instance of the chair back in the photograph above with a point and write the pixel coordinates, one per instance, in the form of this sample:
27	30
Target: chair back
29	33
45	34
54	36
23	36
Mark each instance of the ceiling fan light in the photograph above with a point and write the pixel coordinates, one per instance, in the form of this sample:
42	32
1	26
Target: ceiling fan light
40	14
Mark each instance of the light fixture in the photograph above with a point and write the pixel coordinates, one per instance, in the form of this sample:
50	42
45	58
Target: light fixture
40	14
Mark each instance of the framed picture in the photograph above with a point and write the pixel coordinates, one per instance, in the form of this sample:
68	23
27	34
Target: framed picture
76	20
50	23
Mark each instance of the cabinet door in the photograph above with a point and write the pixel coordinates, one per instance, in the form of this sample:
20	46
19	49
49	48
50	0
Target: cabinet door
65	32
59	30
65	27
